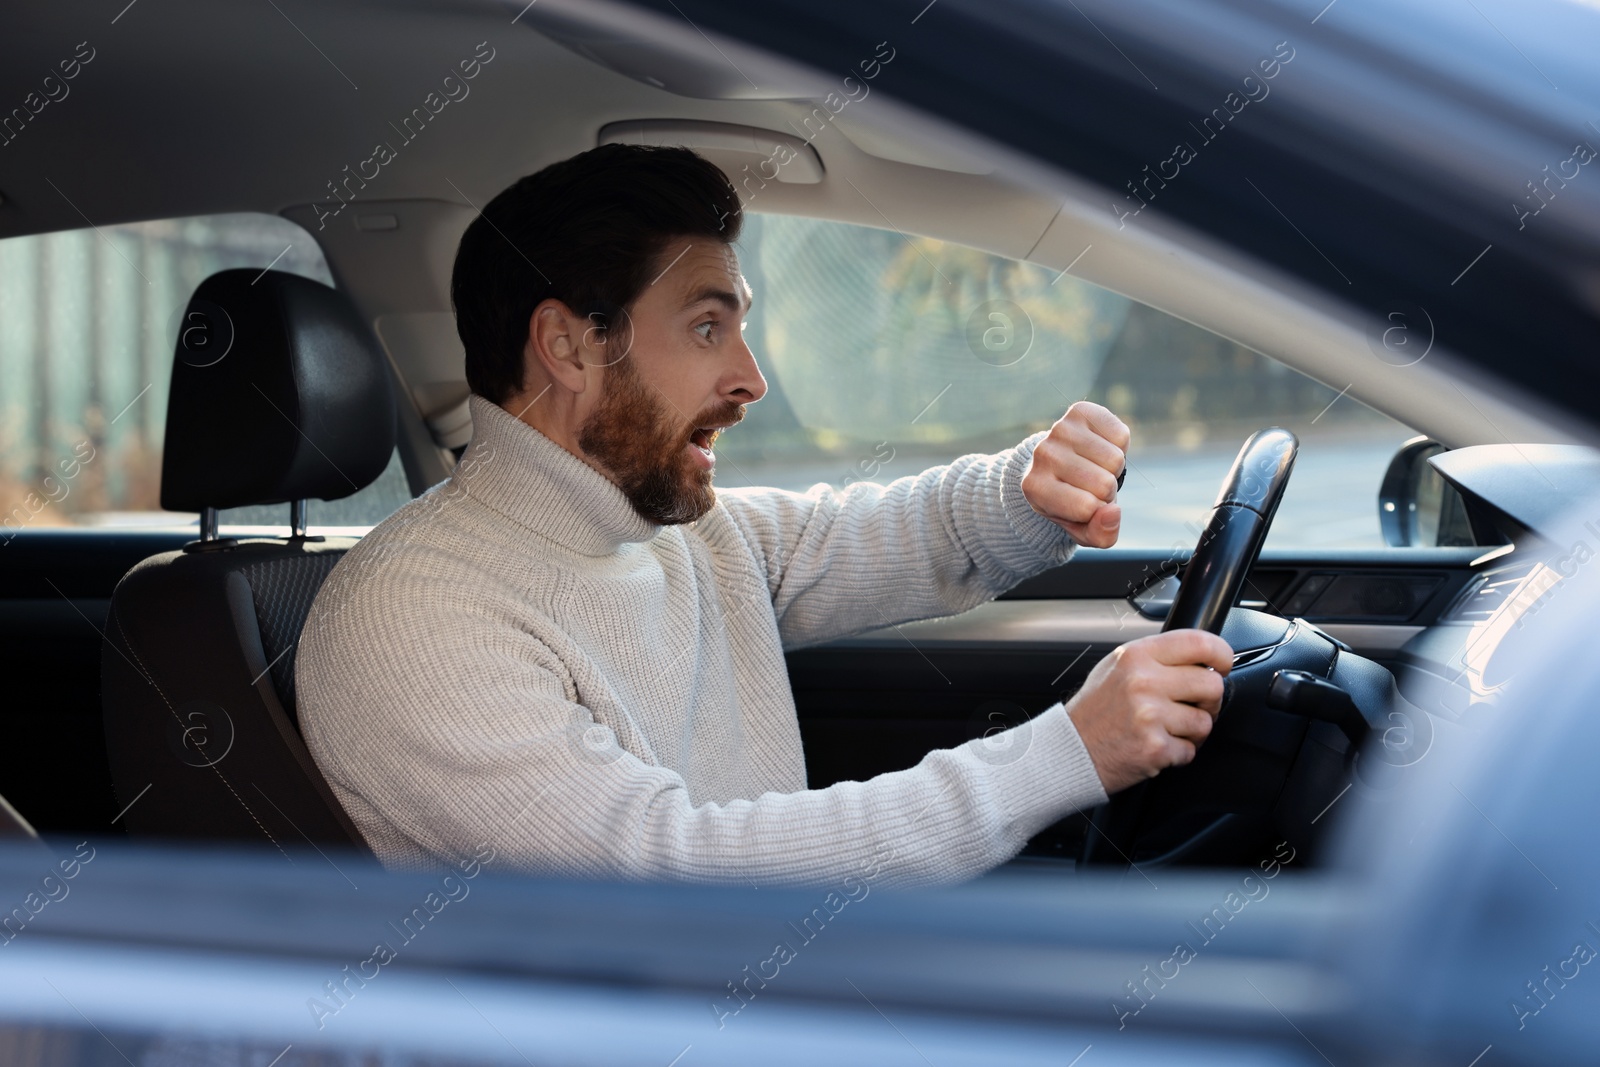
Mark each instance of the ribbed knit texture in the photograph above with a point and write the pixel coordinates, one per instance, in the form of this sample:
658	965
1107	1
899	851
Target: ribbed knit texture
517	658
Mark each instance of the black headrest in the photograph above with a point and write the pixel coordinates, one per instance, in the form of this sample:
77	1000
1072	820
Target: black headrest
279	392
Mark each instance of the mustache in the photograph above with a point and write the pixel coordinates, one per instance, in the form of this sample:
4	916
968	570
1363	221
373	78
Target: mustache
728	413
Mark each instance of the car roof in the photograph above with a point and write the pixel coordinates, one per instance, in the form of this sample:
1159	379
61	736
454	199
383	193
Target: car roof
1378	175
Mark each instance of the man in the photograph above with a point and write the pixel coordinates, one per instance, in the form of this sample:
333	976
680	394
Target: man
572	650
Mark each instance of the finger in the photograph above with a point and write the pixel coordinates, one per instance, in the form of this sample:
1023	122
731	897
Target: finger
1178	752
1100	531
1080	457
1088	535
1059	500
1183	647
1085	474
1104	454
1197	687
1108	520
1102	422
1188	722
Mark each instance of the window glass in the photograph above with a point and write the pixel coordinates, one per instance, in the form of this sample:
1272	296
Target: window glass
88	322
886	355
354	514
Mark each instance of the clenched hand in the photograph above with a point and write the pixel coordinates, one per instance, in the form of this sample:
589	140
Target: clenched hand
1072	479
1150	703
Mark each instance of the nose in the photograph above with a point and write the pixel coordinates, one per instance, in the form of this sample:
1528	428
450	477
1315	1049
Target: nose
746	385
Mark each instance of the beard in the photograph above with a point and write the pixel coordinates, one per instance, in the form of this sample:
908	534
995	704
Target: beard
642	442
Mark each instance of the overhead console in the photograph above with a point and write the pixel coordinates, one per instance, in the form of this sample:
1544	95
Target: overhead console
770	155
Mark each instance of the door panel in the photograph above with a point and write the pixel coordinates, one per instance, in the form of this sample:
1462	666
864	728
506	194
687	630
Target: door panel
55	590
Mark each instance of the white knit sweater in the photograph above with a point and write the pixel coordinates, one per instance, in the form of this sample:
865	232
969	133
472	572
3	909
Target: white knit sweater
517	658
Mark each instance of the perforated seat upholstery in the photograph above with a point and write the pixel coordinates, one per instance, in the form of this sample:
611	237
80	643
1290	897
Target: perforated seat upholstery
283	590
198	664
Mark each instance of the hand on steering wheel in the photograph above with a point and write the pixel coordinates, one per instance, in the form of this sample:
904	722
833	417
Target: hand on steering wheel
1150	704
1211	582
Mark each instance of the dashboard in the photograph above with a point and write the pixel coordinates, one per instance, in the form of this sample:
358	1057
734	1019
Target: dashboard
1523	495
1440	619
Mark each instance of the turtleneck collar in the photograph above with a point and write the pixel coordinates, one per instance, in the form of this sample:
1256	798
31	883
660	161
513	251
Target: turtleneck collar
534	482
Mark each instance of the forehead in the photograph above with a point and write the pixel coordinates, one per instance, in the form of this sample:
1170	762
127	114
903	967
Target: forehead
694	266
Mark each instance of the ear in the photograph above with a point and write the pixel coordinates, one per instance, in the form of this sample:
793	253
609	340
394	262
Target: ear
560	342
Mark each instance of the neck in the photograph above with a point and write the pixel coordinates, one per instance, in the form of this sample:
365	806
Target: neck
544	487
554	413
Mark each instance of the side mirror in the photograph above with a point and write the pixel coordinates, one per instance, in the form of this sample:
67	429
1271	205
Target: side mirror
1415	505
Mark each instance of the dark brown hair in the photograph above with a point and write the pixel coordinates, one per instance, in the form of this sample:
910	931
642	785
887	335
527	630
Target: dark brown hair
587	231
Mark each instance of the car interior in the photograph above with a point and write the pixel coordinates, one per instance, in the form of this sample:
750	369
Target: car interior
152	666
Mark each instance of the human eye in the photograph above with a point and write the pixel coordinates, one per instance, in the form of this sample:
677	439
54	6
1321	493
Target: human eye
709	327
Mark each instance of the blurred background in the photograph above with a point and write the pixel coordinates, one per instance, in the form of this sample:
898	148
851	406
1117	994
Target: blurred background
885	354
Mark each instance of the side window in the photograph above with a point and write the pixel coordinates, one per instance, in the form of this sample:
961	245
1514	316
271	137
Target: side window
88	323
886	355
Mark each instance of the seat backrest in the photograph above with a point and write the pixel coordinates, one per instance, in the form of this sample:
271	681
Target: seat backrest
197	682
282	590
279	393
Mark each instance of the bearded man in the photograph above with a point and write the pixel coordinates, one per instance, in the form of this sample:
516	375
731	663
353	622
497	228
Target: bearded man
573	649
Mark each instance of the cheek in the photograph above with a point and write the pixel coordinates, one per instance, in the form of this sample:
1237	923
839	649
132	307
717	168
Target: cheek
684	391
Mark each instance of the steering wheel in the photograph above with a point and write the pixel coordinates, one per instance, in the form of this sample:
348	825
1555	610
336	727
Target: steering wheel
1232	539
1211	582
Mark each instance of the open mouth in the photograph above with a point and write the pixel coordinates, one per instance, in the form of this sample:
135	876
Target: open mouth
700	443
704	437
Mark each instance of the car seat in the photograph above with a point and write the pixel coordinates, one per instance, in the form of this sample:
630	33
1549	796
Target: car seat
280	393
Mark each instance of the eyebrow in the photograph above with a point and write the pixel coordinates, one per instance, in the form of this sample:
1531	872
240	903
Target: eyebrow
722	296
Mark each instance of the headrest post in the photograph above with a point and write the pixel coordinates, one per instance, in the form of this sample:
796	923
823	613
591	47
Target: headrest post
208	524
297	519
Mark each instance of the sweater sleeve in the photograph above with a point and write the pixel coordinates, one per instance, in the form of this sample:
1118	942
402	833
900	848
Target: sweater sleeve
476	735
932	544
